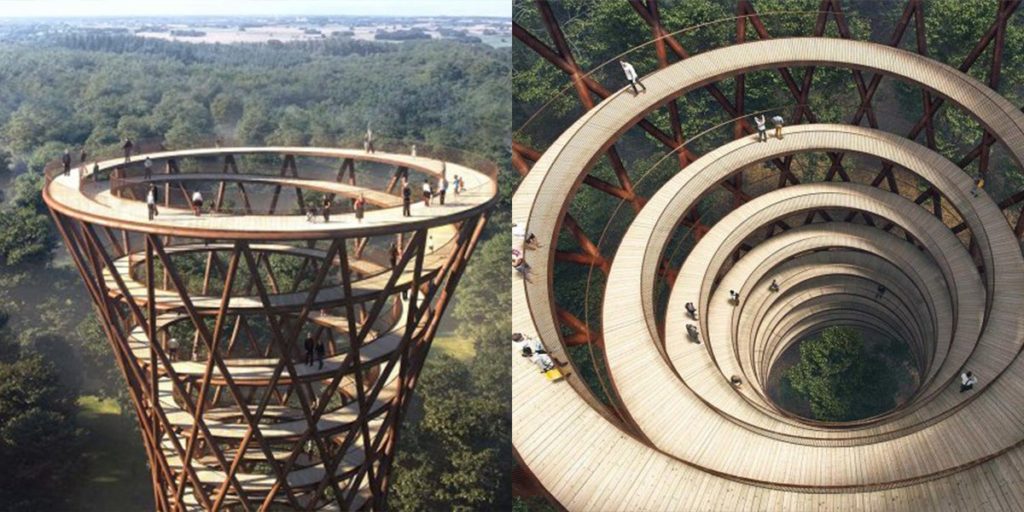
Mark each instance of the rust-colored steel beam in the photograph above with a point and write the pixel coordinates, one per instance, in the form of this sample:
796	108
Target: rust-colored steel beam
227	428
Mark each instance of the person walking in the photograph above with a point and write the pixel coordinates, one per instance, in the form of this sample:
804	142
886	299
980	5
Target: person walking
691	310
148	165
82	156
967	381
406	197
631	75
359	207
393	254
979	185
442	187
197	202
456	183
310	346
320	353
762	128
734	297
881	291
66	160
95	170
427	192
326	205
778	121
774	287
127	147
151	201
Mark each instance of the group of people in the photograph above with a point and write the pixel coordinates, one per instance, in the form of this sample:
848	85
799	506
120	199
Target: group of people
430	192
317	348
762	127
533	348
520	242
312	211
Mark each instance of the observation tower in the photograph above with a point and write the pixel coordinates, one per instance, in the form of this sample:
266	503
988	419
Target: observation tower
270	354
890	236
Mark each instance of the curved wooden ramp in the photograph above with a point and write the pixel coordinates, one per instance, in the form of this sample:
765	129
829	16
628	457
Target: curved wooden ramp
691	440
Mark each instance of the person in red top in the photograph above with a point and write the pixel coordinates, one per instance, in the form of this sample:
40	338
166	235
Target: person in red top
359	207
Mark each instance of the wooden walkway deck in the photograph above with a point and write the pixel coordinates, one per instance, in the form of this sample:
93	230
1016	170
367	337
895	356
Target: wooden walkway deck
93	201
701	444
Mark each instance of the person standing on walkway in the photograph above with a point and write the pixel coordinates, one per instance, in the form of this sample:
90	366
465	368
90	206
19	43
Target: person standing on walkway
456	183
979	185
95	170
151	201
359	207
82	156
320	353
127	147
967	381
734	297
442	187
427	192
774	287
172	348
148	165
691	310
631	75
66	160
413	152
310	346
393	254
881	291
327	208
778	121
762	128
406	197
368	140
197	202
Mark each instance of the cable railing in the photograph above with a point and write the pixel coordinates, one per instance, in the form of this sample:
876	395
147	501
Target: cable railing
133	165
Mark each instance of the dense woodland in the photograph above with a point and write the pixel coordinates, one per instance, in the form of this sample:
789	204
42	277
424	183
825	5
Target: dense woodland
91	89
600	33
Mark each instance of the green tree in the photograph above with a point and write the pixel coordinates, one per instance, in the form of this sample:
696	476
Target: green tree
25	235
480	301
39	439
840	379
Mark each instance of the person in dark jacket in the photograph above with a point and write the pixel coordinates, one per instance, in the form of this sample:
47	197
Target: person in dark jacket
310	346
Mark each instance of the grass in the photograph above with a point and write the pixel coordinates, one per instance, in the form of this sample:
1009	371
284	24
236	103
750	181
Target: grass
455	346
114	473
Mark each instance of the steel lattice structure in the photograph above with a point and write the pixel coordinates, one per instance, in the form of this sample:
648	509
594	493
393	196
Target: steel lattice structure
865	228
668	50
241	420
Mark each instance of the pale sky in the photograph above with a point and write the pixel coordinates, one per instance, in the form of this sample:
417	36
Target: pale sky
142	8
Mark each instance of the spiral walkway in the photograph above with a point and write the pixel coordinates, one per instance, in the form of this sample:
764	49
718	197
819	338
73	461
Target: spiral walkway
692	440
241	420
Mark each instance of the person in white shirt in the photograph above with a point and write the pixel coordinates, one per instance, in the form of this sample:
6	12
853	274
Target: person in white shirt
427	192
762	129
197	202
533	348
442	187
967	381
414	150
151	202
368	140
631	75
